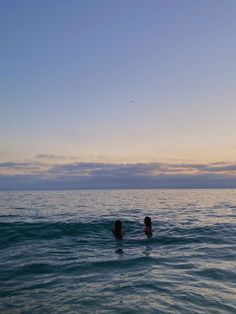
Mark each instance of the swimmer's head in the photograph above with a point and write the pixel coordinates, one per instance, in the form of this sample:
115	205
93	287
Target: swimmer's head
148	221
118	230
118	226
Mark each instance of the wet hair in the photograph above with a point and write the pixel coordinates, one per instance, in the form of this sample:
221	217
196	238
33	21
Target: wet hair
118	226
118	229
148	226
148	221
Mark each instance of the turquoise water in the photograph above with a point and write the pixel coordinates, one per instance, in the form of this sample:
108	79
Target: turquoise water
58	255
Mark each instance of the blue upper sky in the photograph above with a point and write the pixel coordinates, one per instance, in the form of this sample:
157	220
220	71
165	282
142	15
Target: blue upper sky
118	81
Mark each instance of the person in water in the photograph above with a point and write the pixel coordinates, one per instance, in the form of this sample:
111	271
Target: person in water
117	230
148	226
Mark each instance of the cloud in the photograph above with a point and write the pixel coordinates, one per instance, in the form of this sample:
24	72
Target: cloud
19	168
105	169
201	168
49	156
15	164
138	169
95	175
64	158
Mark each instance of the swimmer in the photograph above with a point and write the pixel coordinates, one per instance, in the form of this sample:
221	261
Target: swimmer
117	230
148	226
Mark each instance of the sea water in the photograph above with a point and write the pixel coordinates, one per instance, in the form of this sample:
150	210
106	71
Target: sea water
58	253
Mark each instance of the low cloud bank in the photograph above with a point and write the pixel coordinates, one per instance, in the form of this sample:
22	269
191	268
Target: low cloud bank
90	175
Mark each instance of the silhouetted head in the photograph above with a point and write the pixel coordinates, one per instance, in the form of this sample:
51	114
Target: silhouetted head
148	221
148	226
118	226
118	229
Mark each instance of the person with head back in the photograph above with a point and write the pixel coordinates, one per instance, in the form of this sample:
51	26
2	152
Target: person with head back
148	226
117	230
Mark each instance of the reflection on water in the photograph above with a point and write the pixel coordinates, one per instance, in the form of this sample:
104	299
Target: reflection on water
148	249
119	251
119	247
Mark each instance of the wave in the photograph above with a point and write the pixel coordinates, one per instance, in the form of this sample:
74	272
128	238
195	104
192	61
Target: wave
11	233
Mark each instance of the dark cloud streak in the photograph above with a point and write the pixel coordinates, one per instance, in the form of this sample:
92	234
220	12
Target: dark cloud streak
95	175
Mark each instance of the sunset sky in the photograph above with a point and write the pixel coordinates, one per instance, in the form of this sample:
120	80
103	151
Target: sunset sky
131	88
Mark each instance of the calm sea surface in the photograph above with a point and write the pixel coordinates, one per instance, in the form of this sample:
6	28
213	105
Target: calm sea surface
58	254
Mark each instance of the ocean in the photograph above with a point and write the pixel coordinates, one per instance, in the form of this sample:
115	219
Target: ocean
58	253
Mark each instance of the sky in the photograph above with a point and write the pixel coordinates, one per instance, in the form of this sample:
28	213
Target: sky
109	93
